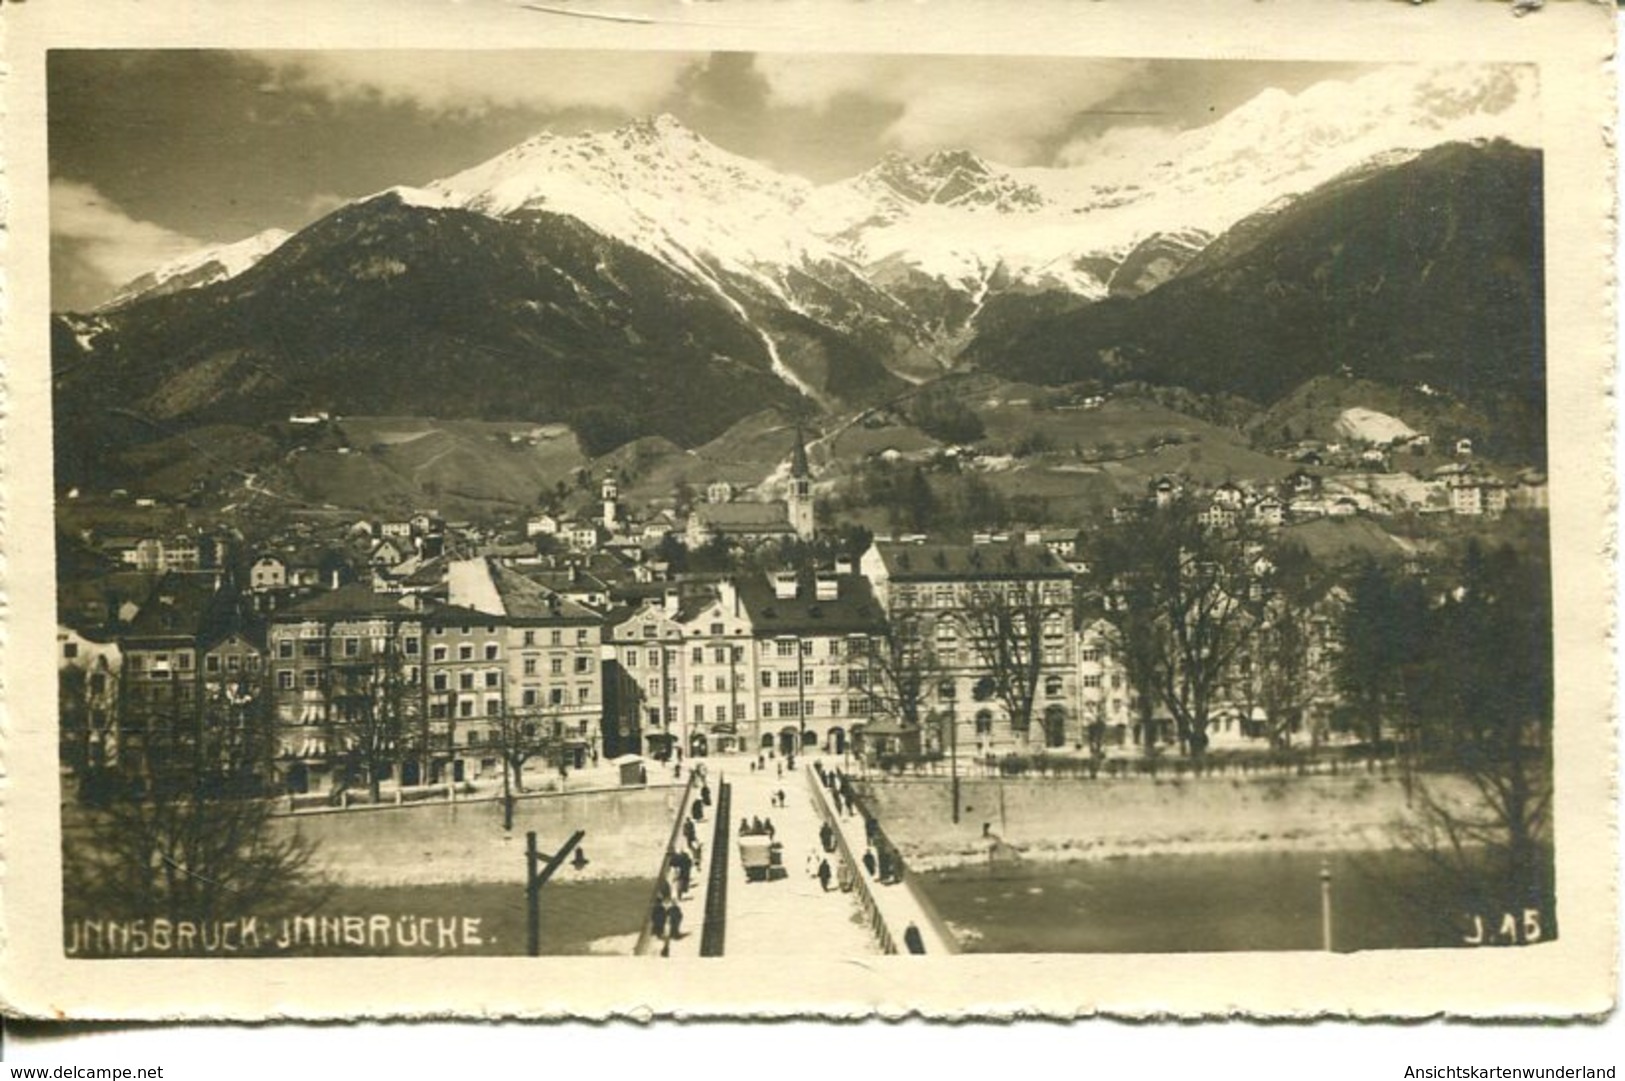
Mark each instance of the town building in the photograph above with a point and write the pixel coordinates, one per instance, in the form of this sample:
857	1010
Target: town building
811	637
948	599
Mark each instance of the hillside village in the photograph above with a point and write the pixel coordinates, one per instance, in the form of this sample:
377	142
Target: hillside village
717	621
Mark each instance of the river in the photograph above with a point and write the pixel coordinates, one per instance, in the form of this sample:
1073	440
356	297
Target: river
1180	903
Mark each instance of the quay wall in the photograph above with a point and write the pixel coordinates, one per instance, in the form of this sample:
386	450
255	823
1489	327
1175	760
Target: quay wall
1095	819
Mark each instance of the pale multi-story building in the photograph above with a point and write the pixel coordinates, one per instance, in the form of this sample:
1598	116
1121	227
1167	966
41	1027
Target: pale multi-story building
932	594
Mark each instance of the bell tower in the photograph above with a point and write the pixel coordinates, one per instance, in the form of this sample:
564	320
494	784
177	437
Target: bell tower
800	503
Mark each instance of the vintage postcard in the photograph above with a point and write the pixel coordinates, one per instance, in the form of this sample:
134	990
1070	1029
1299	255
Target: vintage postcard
594	510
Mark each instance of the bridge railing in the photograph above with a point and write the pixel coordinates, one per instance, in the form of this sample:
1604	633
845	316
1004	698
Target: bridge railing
713	934
872	914
646	936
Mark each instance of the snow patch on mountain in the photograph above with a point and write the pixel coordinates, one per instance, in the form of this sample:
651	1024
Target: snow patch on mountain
1369	426
216	263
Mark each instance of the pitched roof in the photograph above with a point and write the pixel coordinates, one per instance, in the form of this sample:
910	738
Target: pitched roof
744	517
853	611
528	601
354	601
938	562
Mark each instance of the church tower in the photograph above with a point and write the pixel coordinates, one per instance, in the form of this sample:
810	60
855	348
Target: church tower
800	502
611	494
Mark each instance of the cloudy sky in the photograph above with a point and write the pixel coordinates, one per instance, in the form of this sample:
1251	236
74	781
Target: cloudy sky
157	153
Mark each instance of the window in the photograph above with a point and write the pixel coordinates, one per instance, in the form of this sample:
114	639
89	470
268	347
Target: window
857	677
834	707
465	652
654	687
311	649
284	681
858	707
739	712
631	658
947	689
716	630
806	647
211	664
493	706
648	630
440	681
654	658
234	663
1052	685
720	654
438	653
583	665
583	694
555	666
530	666
789	709
699	714
284	649
313	680
699	684
767	711
1117	681
739	654
835	677
786	647
947	637
528	697
767	678
530	638
654	718
581	637
465	681
490	651
1092	680
1090	655
474	737
835	648
493	679
411	646
787	679
697	655
555	696
720	683
352	647
984	722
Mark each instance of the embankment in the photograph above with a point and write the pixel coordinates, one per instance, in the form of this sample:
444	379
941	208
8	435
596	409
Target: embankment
1061	819
442	842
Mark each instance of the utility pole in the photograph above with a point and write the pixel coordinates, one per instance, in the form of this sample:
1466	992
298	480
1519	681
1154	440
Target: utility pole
536	878
1325	906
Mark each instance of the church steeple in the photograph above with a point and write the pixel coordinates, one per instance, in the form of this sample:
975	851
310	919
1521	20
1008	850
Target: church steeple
800	503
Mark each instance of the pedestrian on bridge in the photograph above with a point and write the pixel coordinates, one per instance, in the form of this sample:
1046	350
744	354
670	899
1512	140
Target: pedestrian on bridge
657	917
674	922
869	861
824	874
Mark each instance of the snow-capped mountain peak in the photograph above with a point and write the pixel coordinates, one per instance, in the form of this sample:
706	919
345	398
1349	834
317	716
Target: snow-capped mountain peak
205	266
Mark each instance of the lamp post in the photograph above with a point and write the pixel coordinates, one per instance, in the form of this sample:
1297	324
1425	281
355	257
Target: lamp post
536	878
1325	906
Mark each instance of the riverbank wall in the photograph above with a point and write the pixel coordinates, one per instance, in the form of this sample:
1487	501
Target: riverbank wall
1063	819
463	841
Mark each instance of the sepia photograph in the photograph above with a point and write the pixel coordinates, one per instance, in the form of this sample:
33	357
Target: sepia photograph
642	506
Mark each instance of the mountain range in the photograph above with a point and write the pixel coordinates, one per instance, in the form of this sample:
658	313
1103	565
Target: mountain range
645	281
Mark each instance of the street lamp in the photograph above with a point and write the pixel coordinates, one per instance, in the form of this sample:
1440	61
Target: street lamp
536	878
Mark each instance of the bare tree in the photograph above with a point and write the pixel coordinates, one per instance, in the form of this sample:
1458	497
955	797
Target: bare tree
1006	622
374	714
185	833
518	736
901	676
1281	680
1180	589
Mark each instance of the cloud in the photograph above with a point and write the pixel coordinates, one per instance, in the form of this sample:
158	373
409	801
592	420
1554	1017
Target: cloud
1008	108
108	243
476	82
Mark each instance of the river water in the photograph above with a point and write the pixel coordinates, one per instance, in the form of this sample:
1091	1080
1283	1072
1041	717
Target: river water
1170	904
